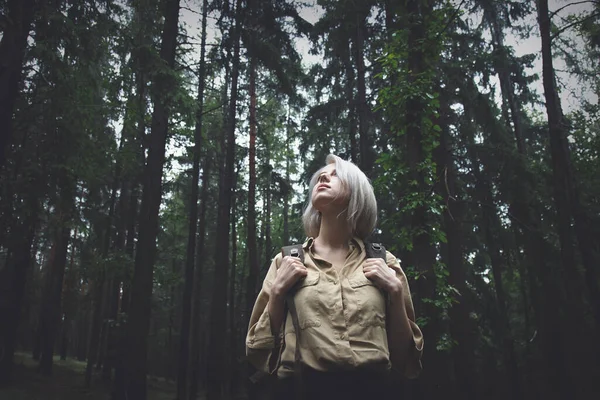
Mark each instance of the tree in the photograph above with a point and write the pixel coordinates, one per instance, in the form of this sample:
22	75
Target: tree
217	374
186	317
141	288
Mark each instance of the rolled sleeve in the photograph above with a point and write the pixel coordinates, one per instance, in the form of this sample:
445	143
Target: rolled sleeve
412	365
261	344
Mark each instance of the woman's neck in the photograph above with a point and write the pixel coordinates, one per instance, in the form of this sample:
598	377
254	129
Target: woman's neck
334	232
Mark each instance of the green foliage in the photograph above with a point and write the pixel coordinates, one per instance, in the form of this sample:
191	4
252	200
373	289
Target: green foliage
413	185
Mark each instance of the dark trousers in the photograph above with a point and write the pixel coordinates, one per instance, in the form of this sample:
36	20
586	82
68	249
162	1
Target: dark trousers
314	385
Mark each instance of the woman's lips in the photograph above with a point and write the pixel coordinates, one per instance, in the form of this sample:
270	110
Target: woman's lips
322	186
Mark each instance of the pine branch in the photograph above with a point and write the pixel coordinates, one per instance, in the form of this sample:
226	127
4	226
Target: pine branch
552	14
451	19
572	24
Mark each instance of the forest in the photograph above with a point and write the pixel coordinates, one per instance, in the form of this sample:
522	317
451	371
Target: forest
155	157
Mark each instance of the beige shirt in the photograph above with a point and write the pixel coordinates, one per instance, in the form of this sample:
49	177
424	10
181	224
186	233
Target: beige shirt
342	316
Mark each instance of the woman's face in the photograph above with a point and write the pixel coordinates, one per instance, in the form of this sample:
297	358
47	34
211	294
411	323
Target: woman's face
329	192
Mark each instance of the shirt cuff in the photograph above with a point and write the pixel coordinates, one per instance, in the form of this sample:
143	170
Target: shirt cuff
260	335
414	366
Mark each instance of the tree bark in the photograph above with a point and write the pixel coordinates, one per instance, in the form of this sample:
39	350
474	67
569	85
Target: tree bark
253	265
141	288
506	84
196	342
186	313
546	294
51	303
352	125
13	287
566	192
462	327
366	156
233	369
217	374
490	224
434	380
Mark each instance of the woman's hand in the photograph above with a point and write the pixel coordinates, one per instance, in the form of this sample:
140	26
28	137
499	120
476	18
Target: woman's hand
382	275
289	272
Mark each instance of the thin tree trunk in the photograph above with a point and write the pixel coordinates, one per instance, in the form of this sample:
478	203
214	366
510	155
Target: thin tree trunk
217	374
51	304
546	294
196	343
233	370
566	192
19	265
491	224
141	288
288	190
130	244
69	301
100	293
352	125
506	84
462	327
186	313
253	265
366	157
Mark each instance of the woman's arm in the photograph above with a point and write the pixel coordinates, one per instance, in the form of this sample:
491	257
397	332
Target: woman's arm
268	313
405	338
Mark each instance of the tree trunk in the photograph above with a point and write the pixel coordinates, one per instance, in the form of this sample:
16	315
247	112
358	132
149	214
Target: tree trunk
366	156
462	327
546	294
491	224
13	287
217	374
69	301
233	370
51	303
186	313
141	288
566	192
253	265
506	84
132	219
196	342
288	190
101	293
434	379
352	125
12	52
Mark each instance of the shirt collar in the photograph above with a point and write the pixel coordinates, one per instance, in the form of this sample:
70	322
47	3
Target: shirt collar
354	242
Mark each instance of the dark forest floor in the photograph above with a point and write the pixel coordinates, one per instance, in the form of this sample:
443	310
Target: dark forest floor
67	383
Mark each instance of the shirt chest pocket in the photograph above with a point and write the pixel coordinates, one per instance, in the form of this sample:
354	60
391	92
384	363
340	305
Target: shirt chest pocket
369	300
308	301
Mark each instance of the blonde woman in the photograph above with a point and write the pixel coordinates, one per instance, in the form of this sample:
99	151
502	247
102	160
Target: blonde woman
354	315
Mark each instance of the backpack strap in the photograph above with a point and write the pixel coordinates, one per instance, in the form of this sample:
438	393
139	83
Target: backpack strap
294	250
375	250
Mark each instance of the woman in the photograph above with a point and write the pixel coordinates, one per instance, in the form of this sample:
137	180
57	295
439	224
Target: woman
355	314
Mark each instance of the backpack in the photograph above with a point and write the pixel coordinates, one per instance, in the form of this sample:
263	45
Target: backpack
372	250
